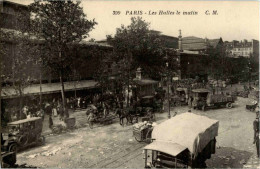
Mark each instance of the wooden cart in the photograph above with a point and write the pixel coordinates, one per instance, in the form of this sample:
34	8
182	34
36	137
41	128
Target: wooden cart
143	135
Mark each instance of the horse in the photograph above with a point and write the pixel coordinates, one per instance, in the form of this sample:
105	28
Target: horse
123	114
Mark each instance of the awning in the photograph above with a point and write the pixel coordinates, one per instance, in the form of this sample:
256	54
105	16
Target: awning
169	148
47	88
188	130
24	120
201	90
145	82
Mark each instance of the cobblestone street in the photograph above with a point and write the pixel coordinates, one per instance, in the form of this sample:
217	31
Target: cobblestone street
114	146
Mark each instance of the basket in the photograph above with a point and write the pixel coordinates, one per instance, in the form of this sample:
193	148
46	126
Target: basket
140	134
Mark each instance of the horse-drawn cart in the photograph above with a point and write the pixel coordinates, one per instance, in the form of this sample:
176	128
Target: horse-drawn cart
204	99
143	131
23	133
97	117
185	141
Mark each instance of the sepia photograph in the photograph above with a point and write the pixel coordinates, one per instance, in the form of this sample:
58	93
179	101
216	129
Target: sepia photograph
129	84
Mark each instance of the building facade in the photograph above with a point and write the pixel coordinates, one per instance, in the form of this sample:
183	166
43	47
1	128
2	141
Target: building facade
242	49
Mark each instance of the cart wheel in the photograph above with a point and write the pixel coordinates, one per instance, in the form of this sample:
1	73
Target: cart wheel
137	139
23	140
229	105
13	148
149	136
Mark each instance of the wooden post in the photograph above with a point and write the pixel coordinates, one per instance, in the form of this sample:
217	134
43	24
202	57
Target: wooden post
145	158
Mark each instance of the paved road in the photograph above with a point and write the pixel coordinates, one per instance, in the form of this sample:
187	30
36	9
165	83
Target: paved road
113	146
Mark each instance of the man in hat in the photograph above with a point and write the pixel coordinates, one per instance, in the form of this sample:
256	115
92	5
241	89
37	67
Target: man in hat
256	133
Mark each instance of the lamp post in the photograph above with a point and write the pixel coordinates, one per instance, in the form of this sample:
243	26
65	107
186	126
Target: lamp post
249	74
168	90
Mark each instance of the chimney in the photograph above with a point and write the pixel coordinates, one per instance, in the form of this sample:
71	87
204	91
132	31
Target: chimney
138	74
180	41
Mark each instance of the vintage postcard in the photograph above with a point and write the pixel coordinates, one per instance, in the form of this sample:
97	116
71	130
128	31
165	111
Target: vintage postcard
129	84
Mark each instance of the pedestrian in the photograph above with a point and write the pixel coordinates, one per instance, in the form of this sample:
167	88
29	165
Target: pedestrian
256	133
48	110
91	116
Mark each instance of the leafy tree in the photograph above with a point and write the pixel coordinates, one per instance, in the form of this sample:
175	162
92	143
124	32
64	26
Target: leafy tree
18	72
60	24
137	46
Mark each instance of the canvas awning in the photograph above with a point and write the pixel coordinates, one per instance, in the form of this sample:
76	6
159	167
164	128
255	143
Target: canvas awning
24	120
145	82
169	148
47	88
188	130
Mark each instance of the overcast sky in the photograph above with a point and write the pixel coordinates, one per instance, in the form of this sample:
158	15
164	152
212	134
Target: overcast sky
235	20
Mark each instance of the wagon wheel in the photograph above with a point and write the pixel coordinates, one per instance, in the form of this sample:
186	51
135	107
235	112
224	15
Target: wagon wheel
148	137
137	139
23	140
13	147
229	105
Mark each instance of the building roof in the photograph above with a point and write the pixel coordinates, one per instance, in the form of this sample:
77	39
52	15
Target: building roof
13	4
195	43
34	89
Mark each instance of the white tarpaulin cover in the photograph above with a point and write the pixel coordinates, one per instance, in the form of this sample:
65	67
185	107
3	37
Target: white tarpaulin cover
188	130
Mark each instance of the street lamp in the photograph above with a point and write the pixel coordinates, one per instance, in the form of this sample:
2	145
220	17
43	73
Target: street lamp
249	74
168	89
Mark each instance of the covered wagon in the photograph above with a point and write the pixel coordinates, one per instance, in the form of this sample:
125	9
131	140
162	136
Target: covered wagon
186	140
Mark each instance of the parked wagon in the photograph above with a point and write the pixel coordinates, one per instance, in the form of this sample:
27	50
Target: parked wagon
23	133
143	131
180	98
99	117
203	99
185	141
252	107
8	156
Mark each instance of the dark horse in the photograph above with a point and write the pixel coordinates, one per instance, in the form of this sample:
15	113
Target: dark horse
129	114
123	114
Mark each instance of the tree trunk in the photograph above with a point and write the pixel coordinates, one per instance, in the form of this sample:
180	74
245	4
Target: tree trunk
40	89
62	89
20	102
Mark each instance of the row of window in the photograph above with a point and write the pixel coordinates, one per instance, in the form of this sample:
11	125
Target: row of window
241	53
242	49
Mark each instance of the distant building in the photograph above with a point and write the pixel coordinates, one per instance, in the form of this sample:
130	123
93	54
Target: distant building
9	12
244	48
193	55
199	45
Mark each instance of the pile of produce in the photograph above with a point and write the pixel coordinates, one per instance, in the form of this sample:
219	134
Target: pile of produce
144	125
